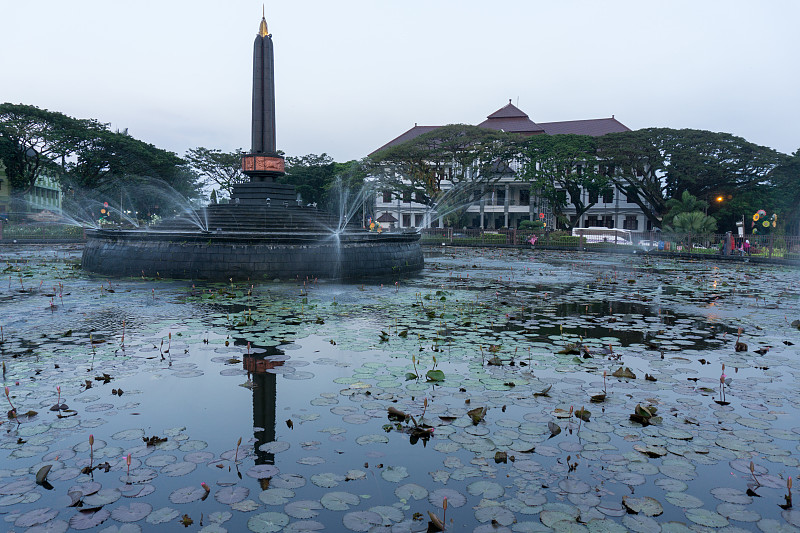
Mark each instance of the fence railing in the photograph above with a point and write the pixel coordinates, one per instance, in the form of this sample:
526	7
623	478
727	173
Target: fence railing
769	246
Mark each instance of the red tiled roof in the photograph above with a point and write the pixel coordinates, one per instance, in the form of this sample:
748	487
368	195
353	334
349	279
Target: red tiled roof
594	127
413	133
508	111
511	119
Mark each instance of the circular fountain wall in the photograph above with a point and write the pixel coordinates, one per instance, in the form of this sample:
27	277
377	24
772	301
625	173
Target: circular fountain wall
252	242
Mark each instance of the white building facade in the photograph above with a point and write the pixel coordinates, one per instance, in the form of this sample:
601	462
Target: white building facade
507	201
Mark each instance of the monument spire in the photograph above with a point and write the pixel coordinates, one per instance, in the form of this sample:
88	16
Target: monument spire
263	163
262	28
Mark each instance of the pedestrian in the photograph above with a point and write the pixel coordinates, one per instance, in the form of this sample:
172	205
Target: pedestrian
746	247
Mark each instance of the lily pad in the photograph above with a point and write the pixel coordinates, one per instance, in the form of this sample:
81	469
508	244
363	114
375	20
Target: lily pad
269	522
339	501
131	513
361	520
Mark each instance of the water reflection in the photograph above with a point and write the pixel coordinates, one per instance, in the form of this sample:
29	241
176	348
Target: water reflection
264	398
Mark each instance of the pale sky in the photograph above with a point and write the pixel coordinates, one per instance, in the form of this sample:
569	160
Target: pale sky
352	75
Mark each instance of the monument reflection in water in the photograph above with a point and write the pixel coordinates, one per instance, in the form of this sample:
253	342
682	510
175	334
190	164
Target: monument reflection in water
264	233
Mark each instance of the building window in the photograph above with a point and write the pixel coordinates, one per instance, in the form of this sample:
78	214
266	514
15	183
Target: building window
501	197
630	196
407	196
631	222
406	220
524	197
593	197
419	197
435	223
608	197
592	221
417	220
387	197
608	221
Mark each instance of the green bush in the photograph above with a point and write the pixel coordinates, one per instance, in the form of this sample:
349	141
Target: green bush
531	224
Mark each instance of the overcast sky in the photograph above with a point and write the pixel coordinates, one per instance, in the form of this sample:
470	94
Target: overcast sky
352	75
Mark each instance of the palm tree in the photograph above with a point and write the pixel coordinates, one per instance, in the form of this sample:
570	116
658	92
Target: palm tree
694	223
687	203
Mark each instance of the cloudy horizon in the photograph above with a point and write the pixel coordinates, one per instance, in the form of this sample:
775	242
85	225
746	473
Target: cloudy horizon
351	76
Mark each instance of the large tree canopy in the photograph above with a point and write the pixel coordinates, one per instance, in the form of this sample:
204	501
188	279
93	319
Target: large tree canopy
466	157
656	164
88	159
556	163
222	168
33	140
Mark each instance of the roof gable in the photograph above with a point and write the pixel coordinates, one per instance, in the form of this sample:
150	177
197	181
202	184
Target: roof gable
511	119
508	111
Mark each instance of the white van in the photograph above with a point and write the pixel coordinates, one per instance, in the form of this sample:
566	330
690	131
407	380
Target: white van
597	234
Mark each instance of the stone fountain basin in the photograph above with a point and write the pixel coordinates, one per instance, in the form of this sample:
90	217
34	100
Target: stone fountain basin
225	255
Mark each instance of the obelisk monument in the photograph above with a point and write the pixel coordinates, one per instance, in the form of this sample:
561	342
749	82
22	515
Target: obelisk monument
263	163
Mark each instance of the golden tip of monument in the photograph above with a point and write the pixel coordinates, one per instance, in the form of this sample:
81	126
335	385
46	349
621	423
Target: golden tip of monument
262	28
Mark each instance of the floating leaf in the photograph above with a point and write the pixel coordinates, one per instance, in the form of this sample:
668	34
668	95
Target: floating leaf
89	518
36	517
131	513
303	508
262	471
434	375
267	522
394	474
339	501
163	515
276	496
454	498
187	494
231	495
647	506
554	428
361	520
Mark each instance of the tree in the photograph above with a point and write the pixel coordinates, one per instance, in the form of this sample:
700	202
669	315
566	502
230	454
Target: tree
310	174
450	166
556	163
92	163
694	222
33	140
656	164
686	204
785	181
222	168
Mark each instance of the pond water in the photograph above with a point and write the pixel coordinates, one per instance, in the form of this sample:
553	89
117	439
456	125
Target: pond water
263	406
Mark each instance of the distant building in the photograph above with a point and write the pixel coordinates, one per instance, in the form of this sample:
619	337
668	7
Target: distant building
46	194
508	201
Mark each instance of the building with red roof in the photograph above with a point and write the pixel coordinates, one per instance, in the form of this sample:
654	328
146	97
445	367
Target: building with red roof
509	201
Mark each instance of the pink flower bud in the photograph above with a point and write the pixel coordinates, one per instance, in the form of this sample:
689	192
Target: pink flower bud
128	459
91	440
